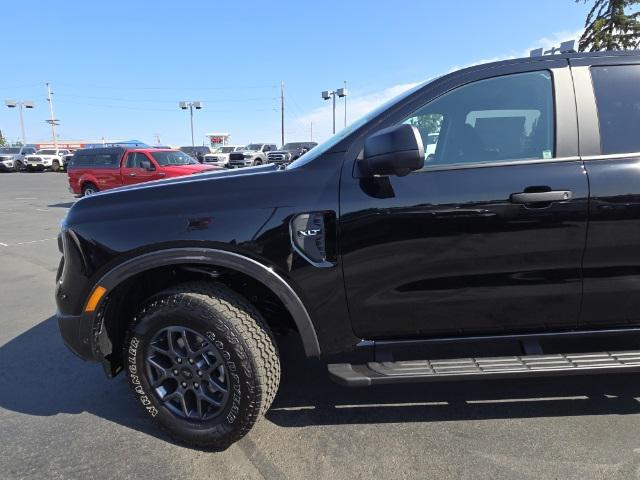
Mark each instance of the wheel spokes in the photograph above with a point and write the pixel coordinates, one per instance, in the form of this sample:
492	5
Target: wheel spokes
187	373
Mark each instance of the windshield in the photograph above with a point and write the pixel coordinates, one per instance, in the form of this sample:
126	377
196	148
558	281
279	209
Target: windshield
172	158
315	152
294	146
9	150
46	152
225	149
253	146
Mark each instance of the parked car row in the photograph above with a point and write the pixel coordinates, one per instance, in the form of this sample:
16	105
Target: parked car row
237	156
16	159
12	158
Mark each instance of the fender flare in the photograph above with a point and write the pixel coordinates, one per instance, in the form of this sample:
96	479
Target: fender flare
222	258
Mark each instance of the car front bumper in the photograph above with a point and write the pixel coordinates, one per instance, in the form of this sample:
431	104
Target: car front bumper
76	334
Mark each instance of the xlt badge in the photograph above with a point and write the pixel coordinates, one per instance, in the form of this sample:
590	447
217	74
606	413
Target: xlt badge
309	233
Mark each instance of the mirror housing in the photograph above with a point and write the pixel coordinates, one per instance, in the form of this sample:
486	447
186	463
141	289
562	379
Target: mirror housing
396	150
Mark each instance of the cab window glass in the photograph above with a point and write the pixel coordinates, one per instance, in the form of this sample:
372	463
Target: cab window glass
499	119
617	92
134	159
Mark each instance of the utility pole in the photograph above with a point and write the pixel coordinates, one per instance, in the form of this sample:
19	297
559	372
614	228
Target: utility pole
52	121
282	113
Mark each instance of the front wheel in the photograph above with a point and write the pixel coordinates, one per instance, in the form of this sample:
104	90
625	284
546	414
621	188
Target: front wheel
202	363
55	166
17	166
89	189
257	161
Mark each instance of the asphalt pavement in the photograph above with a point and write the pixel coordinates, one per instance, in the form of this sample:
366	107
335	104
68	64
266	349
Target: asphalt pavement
62	418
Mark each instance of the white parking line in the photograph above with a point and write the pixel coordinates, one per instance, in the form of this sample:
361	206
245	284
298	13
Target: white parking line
26	198
27	243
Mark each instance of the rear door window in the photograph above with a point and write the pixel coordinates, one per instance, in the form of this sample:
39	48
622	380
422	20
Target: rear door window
617	90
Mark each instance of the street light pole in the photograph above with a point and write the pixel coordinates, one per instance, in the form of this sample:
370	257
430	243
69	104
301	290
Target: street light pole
342	93
191	105
20	104
193	143
24	140
345	104
334	111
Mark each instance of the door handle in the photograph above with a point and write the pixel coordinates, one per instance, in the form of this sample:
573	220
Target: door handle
132	174
541	197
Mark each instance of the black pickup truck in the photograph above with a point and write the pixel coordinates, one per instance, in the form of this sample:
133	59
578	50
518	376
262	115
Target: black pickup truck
513	251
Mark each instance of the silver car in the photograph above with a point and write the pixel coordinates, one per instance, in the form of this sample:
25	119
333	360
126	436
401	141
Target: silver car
12	159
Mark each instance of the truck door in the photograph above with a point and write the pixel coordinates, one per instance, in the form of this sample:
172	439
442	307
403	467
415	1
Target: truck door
133	170
608	96
488	237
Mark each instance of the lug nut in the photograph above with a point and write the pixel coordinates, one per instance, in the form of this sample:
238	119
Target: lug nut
191	361
196	384
184	384
179	360
175	372
200	372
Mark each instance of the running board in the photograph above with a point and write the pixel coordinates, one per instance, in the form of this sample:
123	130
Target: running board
413	371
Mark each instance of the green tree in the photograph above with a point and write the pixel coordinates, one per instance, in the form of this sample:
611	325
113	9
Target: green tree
3	142
609	27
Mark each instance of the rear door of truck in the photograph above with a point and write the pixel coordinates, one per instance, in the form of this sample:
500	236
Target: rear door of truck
608	104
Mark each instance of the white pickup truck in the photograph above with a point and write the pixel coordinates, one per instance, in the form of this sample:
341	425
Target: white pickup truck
220	155
46	159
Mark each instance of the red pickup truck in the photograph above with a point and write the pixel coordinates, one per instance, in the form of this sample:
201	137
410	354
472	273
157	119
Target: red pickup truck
95	169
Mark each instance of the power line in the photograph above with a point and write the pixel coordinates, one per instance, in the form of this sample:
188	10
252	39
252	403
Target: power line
151	100
189	87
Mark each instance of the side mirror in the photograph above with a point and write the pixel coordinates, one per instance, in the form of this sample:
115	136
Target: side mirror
396	150
146	165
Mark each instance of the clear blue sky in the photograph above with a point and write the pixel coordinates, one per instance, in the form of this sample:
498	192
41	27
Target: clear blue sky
119	68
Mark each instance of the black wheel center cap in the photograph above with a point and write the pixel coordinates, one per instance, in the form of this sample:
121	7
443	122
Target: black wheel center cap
186	373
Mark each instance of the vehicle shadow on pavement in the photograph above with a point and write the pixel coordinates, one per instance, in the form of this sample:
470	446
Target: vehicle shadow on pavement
61	205
41	377
308	397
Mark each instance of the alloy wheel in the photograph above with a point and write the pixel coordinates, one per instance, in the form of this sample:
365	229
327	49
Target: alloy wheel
187	373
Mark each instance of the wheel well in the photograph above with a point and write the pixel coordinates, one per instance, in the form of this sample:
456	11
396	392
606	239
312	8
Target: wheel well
128	298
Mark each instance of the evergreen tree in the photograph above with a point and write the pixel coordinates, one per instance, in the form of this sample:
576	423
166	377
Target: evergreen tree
609	27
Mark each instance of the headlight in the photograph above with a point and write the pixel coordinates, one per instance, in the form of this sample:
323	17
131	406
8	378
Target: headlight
247	155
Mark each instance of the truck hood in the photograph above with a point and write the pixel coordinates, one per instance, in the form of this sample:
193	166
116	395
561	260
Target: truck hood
232	190
191	168
207	174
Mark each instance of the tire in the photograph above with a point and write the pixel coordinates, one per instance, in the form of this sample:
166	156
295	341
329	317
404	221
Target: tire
232	334
55	166
257	161
17	166
89	189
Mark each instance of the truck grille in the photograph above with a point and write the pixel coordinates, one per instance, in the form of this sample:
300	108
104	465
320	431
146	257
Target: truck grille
276	157
236	156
